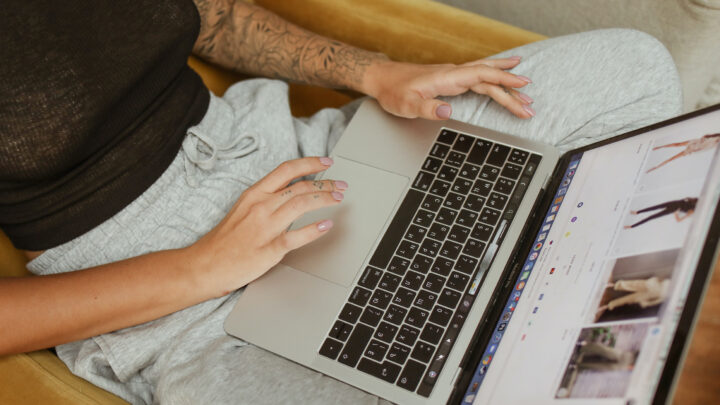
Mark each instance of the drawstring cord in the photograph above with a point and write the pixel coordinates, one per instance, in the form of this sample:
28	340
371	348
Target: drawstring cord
198	145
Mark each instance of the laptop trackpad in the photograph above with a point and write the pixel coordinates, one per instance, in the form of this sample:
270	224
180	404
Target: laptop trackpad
358	222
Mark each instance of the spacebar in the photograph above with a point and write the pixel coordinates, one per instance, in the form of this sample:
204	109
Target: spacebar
396	230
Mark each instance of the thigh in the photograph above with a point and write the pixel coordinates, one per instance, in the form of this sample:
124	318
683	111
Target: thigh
586	87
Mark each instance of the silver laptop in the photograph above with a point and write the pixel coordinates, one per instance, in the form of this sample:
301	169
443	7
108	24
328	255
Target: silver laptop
470	266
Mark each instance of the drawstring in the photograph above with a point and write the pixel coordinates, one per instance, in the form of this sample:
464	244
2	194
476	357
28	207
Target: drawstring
197	145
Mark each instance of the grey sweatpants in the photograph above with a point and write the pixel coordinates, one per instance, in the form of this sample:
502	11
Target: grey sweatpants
586	87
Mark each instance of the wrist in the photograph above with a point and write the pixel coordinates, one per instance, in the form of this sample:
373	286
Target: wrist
375	74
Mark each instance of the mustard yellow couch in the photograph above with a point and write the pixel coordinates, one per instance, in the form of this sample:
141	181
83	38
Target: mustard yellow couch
408	30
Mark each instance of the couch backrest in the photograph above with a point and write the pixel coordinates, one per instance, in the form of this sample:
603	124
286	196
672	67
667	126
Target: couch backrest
12	262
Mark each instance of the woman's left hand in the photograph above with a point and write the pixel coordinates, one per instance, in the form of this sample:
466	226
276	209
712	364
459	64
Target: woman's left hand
410	90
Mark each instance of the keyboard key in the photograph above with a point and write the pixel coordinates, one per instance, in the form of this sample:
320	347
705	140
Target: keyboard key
531	165
350	313
489	173
404	297
498	154
432	203
458	233
395	314
470	171
396	230
416	317
407	249
455	159
422	351
447	136
512	171
474	248
330	348
440	315
355	345
407	335
442	266
474	202
446	216
423	180
462	186
386	371
340	330
466	264
415	233
376	350
504	186
381	299
390	282
467	218
432	165
463	143
440	188
398	353
425	300
370	277
434	283
479	151
411	375
457	281
438	231
489	216
424	218
413	280
360	296
447	173
430	247
398	265
482	232
385	332
449	298
518	156
431	333
451	249
482	187
439	150
421	264
454	201
371	315
497	201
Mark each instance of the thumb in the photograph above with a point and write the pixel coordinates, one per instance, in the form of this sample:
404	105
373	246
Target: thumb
433	109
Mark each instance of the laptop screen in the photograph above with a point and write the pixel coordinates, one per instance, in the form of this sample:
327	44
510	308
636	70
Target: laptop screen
596	305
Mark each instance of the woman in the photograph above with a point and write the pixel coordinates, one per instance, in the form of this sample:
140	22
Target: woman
684	205
705	142
146	202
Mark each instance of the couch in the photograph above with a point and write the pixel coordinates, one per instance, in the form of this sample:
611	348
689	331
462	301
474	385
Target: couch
409	30
690	29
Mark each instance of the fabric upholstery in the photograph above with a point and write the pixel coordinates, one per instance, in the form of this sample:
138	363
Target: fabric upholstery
409	30
689	29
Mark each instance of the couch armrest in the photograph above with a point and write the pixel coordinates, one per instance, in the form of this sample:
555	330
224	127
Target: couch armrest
419	31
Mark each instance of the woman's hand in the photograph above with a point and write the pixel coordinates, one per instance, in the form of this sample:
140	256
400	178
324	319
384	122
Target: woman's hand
410	90
253	237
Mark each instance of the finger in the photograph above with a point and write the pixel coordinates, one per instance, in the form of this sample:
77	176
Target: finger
431	109
292	240
513	104
500	63
524	98
301	204
463	78
307	186
290	170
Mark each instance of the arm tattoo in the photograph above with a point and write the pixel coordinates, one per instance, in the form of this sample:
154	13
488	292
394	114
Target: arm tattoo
250	39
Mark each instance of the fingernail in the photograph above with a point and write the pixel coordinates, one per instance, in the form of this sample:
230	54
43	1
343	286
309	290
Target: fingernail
337	195
325	225
525	79
529	110
515	57
340	185
525	98
326	161
443	111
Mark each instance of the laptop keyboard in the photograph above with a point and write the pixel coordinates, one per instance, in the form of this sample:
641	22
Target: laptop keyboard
406	311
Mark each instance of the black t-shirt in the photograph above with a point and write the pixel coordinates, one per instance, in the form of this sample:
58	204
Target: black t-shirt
95	100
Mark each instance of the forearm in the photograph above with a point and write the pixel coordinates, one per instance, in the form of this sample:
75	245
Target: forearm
249	39
44	311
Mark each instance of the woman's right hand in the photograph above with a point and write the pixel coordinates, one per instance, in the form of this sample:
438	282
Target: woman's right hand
253	237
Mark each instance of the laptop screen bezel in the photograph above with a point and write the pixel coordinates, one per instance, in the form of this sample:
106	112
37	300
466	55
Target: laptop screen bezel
686	323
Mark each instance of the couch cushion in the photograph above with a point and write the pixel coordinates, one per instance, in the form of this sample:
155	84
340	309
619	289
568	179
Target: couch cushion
12	262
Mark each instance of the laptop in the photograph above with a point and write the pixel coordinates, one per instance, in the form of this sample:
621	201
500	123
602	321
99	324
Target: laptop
470	266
